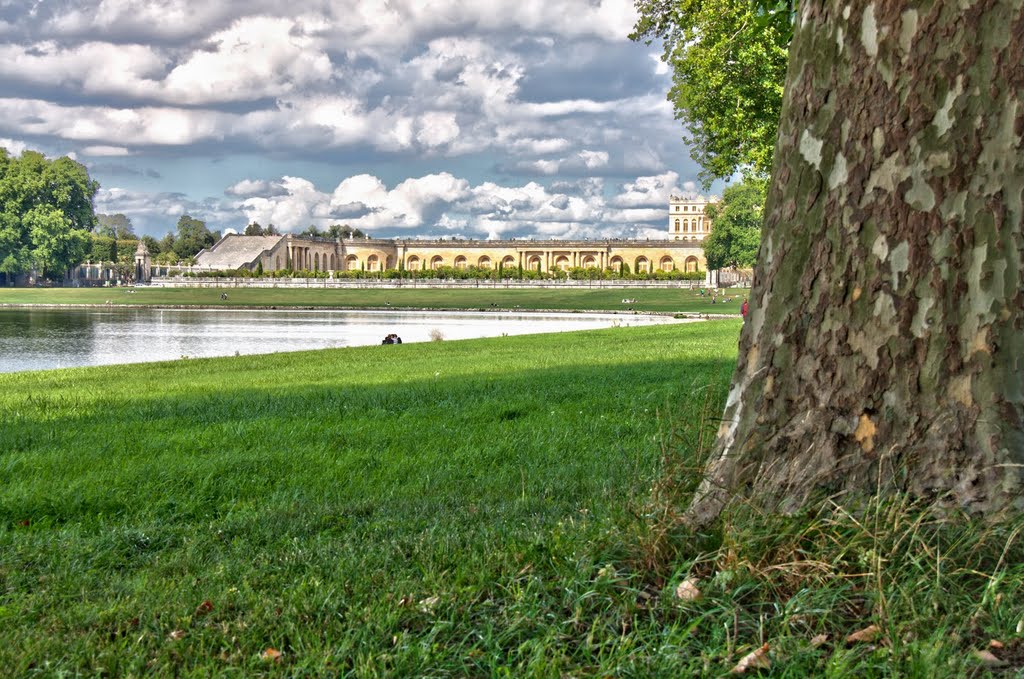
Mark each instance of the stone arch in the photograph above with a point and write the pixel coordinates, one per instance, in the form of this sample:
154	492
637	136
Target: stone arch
643	265
534	262
508	262
666	263
436	262
460	262
389	263
691	263
589	261
373	263
351	263
561	262
484	262
334	261
316	261
616	263
413	263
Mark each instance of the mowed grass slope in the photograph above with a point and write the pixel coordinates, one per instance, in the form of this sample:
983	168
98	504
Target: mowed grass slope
652	299
416	509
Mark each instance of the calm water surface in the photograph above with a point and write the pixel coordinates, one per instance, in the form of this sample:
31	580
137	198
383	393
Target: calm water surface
39	339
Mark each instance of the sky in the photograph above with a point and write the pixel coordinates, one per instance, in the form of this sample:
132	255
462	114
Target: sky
405	118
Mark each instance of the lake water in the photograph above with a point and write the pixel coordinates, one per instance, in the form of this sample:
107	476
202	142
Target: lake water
39	339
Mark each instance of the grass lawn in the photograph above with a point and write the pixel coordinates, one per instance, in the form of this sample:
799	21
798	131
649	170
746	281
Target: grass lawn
497	507
655	299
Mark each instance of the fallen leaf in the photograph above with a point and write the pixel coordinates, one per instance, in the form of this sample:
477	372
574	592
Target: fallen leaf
993	643
204	608
988	659
271	655
687	590
177	634
427	605
866	635
819	640
755	660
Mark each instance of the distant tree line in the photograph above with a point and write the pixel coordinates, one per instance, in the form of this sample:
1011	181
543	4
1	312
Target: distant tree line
333	231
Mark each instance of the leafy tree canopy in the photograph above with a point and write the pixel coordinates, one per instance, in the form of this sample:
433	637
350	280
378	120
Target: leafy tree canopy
192	237
736	225
46	213
728	61
344	231
115	226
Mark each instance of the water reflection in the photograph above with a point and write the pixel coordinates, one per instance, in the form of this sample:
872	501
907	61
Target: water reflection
35	339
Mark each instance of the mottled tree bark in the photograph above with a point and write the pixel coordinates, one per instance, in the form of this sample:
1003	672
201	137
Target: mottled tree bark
886	336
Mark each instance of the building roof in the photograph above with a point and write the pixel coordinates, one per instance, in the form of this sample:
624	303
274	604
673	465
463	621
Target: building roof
234	251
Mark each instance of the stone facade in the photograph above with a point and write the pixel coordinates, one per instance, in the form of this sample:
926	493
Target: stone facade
318	254
686	220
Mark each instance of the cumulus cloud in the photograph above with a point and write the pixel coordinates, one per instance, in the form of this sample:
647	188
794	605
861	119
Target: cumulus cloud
429	205
14	147
648	192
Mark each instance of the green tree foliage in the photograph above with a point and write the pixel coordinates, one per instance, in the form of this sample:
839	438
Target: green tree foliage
728	61
153	245
192	237
46	213
115	226
344	231
736	225
254	229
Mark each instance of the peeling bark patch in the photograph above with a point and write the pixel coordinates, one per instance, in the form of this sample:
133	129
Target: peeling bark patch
839	173
810	149
869	31
880	248
899	262
960	390
919	326
887	176
865	433
943	121
908	28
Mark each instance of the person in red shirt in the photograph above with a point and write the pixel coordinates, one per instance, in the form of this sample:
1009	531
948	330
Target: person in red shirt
744	309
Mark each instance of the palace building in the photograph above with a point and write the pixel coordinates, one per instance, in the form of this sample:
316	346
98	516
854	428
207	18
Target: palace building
686	218
680	250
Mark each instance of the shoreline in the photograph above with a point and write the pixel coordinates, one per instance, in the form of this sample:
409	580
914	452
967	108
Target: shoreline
301	307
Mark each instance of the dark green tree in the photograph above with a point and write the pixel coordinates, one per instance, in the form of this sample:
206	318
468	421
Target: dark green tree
736	225
153	245
344	231
46	213
728	61
192	237
254	229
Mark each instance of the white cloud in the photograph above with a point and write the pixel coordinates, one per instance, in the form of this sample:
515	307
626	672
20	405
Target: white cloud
660	67
106	151
14	147
256	57
437	129
92	67
647	192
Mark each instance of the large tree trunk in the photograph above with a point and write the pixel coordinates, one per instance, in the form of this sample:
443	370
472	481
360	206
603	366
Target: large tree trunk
885	343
